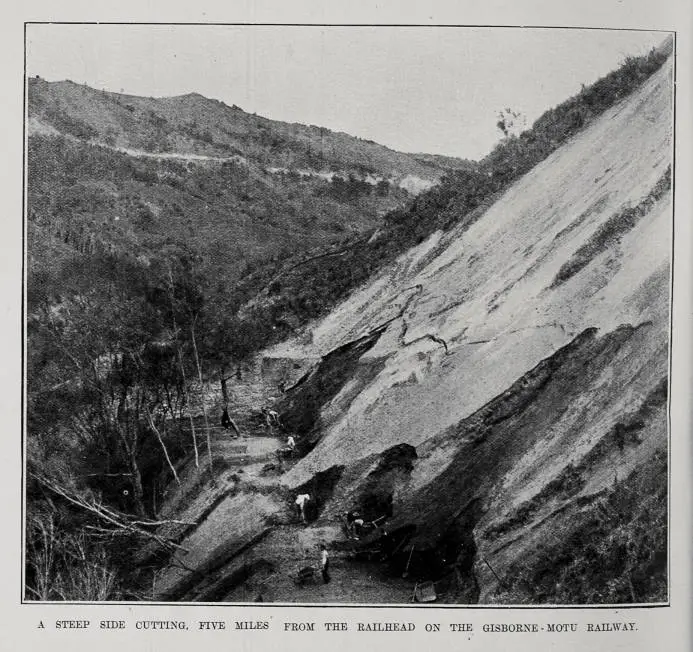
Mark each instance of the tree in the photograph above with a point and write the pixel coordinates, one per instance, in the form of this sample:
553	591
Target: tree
511	123
103	365
109	357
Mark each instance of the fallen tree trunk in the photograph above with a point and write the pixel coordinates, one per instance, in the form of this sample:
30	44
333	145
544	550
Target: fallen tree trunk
119	524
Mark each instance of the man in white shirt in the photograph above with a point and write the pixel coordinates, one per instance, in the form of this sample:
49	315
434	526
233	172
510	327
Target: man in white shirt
301	501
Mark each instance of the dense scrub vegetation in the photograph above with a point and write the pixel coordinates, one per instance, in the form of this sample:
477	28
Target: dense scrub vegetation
147	275
616	556
193	123
85	199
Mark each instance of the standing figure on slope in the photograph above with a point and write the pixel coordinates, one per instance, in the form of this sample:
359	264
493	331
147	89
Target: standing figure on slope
300	503
324	564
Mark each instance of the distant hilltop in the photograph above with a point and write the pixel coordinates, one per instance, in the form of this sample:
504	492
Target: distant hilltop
193	124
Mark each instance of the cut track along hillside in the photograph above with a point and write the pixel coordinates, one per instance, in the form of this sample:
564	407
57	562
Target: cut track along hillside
155	179
498	394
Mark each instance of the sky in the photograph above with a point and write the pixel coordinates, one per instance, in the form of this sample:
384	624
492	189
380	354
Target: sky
415	89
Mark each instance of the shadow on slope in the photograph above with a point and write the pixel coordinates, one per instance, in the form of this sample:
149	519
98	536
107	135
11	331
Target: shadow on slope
300	407
483	449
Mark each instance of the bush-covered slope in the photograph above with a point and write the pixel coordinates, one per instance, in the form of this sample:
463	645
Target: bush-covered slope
164	177
193	124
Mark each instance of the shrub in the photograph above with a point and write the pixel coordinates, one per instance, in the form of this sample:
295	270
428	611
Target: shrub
69	125
64	564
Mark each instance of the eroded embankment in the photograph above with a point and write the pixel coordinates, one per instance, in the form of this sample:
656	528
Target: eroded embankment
517	498
512	486
550	470
301	406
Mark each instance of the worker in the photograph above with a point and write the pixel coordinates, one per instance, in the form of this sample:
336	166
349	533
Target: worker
357	524
301	501
291	443
273	416
354	524
349	518
324	564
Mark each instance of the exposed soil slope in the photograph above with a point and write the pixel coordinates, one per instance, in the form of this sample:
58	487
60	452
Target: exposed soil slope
489	292
508	413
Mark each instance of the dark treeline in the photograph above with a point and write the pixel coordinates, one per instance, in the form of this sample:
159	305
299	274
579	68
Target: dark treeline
109	367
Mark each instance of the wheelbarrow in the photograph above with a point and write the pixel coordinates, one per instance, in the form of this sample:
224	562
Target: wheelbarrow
425	592
305	576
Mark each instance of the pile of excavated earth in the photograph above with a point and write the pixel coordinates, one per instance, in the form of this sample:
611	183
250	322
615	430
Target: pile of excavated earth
478	402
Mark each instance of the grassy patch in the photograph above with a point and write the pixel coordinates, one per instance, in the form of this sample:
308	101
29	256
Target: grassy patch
613	230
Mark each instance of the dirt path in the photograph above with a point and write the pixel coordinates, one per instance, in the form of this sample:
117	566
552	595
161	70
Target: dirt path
268	571
247	543
245	540
39	127
175	156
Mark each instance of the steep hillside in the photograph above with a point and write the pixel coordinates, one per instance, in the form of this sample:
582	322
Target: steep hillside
498	394
195	125
504	280
133	176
